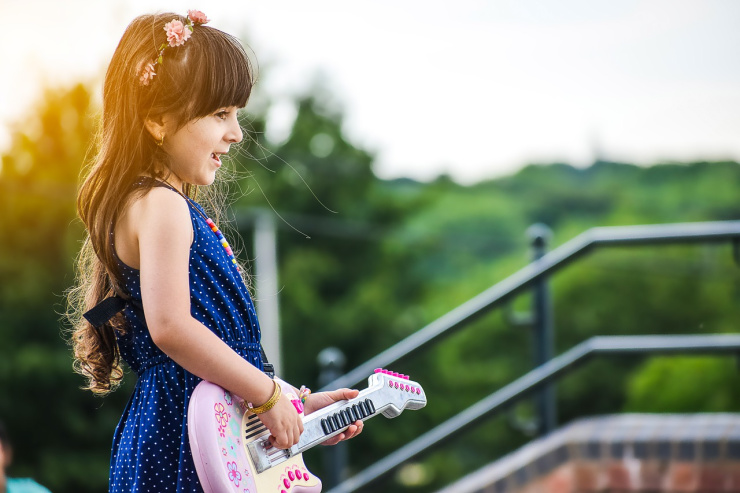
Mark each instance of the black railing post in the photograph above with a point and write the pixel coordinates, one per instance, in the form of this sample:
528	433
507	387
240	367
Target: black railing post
331	364
542	330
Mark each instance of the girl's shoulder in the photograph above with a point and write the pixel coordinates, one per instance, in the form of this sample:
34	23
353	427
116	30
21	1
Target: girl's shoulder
158	206
160	202
152	216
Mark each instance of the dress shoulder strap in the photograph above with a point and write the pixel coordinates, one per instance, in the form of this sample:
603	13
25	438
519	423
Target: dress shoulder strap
148	180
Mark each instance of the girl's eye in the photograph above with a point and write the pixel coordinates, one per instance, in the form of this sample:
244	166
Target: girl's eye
222	115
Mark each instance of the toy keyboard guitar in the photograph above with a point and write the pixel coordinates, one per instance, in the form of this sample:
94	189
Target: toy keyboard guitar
229	443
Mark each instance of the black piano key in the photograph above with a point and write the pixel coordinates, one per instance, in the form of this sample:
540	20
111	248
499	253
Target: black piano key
331	424
361	410
335	422
325	427
370	405
366	407
342	420
347	417
351	414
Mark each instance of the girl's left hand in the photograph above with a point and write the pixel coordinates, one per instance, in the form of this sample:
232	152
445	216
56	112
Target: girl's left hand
319	400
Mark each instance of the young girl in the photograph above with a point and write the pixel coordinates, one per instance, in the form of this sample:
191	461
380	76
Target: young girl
170	102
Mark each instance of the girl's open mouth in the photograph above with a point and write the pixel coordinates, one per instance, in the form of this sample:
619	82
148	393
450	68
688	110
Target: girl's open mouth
216	158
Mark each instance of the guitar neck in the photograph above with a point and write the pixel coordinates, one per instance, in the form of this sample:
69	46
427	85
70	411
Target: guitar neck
387	394
332	420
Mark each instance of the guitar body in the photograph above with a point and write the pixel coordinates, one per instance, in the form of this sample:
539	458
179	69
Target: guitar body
230	444
217	422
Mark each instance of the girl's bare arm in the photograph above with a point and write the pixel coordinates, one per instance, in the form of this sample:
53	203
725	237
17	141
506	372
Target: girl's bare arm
163	231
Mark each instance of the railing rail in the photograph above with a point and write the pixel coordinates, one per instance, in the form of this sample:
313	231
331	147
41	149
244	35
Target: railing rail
520	388
704	232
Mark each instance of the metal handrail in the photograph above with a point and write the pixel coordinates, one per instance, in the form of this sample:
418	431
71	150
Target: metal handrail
678	233
521	387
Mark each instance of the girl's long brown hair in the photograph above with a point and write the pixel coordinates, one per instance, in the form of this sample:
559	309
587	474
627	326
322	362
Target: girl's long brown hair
210	71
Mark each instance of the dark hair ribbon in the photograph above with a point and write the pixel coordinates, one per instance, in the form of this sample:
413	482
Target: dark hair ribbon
105	310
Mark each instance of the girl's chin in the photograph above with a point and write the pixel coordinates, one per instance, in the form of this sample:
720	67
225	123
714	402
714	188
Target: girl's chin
204	180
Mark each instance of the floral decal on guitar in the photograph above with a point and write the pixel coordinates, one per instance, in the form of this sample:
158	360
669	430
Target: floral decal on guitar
234	475
235	429
221	414
222	418
231	447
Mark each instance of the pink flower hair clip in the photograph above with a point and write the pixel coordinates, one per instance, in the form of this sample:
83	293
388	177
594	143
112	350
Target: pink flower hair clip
177	34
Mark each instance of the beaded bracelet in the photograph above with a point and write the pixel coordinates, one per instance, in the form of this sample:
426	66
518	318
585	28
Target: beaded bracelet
270	402
303	393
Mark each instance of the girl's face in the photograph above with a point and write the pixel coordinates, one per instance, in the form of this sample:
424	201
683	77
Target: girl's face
195	149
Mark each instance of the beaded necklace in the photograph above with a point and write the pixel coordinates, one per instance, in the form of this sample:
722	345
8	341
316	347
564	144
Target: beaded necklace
211	225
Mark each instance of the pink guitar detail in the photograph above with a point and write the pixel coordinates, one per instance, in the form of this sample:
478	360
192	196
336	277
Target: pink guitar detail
229	443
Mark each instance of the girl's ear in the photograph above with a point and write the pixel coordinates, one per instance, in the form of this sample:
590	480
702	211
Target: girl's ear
155	127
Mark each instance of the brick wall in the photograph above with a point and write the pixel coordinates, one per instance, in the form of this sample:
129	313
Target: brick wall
621	453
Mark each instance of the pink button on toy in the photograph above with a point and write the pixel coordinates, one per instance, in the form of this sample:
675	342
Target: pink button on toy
291	476
286	483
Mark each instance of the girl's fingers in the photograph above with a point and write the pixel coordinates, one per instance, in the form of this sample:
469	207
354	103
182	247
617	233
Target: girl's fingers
285	439
284	423
320	400
345	394
355	429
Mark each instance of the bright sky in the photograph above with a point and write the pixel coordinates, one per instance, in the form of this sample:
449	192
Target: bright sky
472	88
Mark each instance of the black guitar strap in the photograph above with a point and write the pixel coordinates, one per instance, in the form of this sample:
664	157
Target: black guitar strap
268	367
104	311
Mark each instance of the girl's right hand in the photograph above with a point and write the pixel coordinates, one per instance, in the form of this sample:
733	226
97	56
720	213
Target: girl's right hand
284	423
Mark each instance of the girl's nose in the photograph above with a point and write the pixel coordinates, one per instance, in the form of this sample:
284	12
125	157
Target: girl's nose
235	134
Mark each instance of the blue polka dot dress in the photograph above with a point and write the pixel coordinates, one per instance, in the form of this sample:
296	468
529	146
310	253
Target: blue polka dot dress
151	451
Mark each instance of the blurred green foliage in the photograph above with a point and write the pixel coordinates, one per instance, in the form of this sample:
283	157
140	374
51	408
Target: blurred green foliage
365	262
